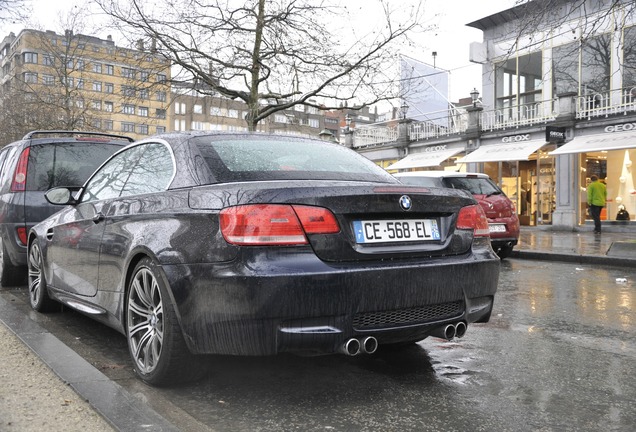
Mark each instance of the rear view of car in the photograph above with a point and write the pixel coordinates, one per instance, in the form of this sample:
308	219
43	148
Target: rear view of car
503	221
256	244
31	166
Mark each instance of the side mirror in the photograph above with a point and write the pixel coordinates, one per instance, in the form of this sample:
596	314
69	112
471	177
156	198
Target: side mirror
60	196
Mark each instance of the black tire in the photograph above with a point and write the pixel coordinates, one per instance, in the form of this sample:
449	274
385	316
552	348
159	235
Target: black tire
12	275
504	252
155	341
38	294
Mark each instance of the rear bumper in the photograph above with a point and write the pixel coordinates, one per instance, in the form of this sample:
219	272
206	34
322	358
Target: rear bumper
16	251
291	301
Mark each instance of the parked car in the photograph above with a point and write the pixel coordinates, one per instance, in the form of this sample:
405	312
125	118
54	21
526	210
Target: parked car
28	168
253	244
503	221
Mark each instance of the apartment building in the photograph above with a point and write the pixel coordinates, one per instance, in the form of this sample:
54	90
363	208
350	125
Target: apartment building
198	108
78	82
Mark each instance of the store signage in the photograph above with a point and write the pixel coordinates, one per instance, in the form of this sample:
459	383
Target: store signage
516	138
435	148
621	127
555	134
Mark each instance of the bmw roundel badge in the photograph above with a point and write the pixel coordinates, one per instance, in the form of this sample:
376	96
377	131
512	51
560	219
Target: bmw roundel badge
405	202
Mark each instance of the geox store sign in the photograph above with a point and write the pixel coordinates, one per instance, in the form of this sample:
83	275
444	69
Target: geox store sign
555	135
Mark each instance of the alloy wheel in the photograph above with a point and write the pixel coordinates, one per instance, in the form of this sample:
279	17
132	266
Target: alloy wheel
35	275
145	320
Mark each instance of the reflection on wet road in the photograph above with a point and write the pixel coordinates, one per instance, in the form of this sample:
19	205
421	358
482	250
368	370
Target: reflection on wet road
558	355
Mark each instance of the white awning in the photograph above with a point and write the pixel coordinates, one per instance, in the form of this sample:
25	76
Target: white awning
424	159
504	152
598	142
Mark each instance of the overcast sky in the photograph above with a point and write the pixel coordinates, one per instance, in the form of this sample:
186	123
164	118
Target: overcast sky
450	41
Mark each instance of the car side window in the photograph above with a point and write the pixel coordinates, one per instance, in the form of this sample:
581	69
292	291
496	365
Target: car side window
109	181
3	156
153	171
5	172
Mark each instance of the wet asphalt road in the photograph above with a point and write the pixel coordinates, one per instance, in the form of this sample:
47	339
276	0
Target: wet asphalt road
558	355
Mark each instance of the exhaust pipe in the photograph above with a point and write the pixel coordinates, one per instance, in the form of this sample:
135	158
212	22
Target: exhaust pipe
351	347
460	329
369	345
445	332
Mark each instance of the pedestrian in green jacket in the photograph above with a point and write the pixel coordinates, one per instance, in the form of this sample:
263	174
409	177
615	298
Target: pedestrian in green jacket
596	196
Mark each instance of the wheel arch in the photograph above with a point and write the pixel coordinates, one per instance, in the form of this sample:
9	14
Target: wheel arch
134	259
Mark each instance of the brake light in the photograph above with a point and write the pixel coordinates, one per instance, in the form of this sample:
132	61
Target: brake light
317	220
22	235
275	224
473	217
20	175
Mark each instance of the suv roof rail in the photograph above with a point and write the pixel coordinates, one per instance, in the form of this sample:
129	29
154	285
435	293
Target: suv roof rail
31	134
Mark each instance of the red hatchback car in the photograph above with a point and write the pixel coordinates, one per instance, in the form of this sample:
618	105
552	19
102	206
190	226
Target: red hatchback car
503	221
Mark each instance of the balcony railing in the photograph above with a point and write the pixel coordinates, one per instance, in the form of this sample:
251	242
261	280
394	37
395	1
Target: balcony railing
619	101
520	115
456	122
452	122
374	135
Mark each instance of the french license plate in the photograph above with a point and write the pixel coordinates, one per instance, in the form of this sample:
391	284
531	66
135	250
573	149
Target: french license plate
384	231
495	228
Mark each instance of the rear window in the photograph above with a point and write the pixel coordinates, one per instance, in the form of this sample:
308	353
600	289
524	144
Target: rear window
474	185
247	158
420	181
65	164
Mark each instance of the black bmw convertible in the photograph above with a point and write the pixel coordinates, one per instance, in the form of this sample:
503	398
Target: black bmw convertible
254	244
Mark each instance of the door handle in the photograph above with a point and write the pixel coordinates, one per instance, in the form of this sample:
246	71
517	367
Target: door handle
98	217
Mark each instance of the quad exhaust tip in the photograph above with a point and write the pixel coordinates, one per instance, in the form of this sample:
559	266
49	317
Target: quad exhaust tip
450	331
366	345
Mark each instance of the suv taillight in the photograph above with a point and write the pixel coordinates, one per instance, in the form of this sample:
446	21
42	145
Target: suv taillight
22	235
20	175
275	224
473	217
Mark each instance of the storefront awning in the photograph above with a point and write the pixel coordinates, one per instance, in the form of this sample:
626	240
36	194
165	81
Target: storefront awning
424	159
598	142
503	152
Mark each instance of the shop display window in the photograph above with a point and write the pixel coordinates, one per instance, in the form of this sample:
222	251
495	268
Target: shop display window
614	168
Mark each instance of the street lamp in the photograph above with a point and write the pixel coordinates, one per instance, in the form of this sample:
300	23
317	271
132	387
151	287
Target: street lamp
326	135
404	109
474	95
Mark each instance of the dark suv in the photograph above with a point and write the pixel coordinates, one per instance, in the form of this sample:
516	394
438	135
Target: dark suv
28	168
503	221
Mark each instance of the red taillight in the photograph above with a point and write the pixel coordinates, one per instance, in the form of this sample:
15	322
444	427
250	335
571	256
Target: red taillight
473	217
317	220
274	224
20	175
22	235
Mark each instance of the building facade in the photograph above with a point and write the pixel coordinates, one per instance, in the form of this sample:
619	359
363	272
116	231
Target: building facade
78	82
558	104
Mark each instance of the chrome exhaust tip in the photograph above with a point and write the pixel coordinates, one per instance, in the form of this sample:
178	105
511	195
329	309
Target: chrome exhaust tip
444	332
460	329
369	345
351	347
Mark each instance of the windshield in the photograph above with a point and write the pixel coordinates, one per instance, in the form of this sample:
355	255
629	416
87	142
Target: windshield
253	158
474	185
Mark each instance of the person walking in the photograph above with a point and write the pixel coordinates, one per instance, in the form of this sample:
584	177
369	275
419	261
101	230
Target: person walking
596	196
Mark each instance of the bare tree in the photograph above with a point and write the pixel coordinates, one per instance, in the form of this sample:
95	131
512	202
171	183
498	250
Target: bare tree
62	90
12	11
271	54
